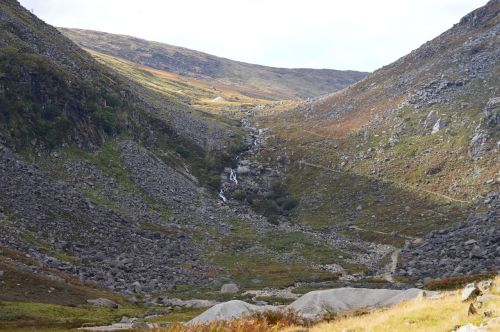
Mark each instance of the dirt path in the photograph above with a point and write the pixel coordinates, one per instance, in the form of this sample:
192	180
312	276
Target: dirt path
393	265
383	233
397	184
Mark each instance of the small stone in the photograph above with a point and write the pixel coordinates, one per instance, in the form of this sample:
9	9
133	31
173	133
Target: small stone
488	313
140	325
421	296
469	328
103	302
229	289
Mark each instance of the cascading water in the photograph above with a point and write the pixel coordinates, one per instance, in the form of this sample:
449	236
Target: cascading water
221	195
232	176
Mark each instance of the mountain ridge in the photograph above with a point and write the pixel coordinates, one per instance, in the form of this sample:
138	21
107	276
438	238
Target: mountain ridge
266	81
157	187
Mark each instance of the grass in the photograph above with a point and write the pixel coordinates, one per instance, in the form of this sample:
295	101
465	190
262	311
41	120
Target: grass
267	321
248	255
196	94
428	315
37	315
222	74
182	315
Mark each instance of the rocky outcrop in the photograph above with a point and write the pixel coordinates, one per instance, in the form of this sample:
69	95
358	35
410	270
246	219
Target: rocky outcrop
484	137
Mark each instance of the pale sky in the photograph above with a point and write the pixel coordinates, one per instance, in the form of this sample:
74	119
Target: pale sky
347	34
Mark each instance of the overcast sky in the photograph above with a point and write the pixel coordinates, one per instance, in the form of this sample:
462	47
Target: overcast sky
347	34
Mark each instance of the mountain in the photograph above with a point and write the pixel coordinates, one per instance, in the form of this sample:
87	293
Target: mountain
75	137
248	79
112	182
410	149
144	186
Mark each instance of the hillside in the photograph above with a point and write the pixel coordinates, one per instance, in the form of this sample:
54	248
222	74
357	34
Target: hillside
74	139
251	80
129	174
113	183
408	150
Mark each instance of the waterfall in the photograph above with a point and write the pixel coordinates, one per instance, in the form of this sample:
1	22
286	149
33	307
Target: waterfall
232	176
221	195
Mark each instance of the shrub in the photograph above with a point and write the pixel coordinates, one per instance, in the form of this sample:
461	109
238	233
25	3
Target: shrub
267	321
105	118
457	282
213	181
181	150
240	195
290	203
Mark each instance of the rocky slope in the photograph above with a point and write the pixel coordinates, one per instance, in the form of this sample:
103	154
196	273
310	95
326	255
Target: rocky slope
116	183
251	80
64	199
386	157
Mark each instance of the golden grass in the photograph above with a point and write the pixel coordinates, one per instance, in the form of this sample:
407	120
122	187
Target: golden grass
427	315
199	92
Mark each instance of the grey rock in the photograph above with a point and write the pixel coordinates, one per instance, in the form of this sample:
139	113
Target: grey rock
470	292
439	125
103	302
229	289
243	170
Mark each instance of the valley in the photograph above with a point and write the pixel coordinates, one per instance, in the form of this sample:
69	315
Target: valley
156	177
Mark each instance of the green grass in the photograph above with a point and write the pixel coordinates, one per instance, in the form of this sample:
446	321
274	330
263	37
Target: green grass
40	315
182	315
42	245
244	261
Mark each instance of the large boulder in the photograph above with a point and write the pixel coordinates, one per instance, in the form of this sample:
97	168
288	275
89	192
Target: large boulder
229	310
315	304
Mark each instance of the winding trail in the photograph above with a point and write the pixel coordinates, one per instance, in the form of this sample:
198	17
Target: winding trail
394	183
393	265
383	233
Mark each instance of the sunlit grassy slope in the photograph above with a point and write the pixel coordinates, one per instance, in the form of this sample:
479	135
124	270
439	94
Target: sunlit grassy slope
199	94
249	79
